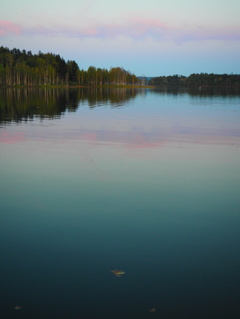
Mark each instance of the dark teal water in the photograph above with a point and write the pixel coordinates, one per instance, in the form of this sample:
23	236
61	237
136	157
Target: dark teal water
147	182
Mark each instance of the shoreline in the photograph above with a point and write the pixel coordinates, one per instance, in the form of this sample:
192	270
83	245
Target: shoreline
116	86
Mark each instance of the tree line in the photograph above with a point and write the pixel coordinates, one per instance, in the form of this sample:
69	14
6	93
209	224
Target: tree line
28	69
197	80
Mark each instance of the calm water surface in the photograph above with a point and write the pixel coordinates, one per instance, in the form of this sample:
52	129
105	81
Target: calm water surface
143	181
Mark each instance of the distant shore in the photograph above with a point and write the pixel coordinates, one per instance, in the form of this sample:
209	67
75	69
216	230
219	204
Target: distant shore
25	69
49	86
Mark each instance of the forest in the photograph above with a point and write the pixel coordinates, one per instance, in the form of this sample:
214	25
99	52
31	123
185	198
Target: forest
197	80
28	69
21	68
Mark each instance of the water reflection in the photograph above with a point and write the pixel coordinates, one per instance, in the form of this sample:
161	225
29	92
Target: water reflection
18	105
151	189
201	91
23	104
153	119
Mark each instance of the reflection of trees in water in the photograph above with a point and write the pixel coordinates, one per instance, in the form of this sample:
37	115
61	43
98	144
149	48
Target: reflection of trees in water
214	92
22	104
201	92
115	97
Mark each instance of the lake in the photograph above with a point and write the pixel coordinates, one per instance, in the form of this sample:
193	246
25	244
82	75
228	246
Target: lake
139	180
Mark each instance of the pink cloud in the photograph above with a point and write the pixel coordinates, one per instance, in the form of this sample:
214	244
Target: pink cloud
8	27
136	28
141	28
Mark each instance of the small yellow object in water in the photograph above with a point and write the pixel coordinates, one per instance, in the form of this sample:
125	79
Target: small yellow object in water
118	272
18	307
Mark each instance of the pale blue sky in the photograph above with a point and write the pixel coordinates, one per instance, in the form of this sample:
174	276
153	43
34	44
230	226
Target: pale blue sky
154	37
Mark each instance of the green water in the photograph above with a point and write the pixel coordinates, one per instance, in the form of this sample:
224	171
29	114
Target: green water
143	181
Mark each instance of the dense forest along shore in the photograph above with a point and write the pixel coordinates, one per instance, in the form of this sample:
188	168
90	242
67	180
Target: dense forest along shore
21	68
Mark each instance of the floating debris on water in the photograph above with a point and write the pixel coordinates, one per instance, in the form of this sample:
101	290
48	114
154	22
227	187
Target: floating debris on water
18	307
152	310
118	272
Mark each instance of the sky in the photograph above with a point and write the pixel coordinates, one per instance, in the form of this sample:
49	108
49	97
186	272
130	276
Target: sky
147	38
